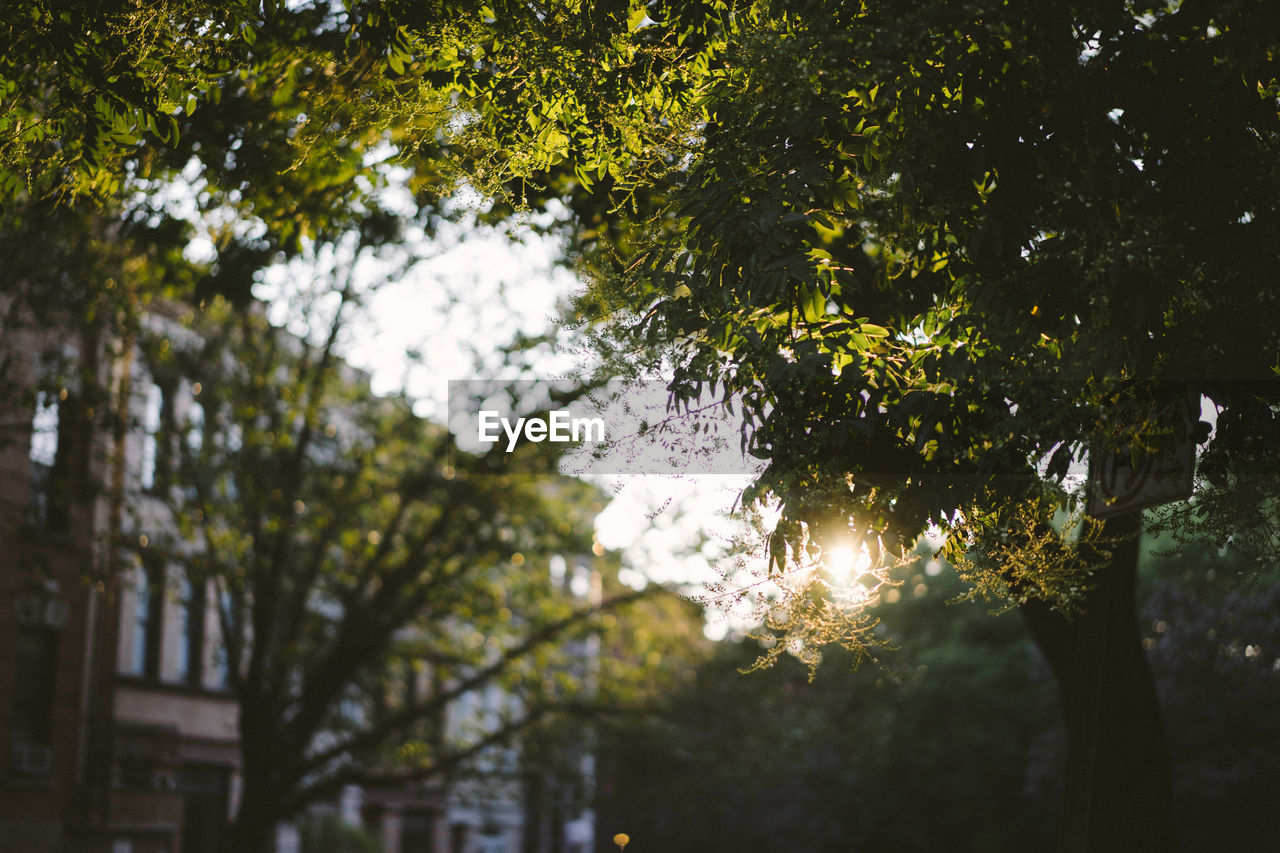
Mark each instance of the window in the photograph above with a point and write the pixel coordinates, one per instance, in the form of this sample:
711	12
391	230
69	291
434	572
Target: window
416	834
221	659
492	841
157	450
188	469
412	679
195	428
231	439
191	601
44	429
48	503
32	727
459	834
148	612
204	790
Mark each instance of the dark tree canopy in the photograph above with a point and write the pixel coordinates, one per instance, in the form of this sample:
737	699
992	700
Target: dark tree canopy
939	251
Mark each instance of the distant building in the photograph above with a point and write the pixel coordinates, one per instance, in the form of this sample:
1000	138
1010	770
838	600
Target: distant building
50	617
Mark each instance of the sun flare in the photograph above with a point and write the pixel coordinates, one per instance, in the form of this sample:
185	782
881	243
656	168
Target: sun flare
845	564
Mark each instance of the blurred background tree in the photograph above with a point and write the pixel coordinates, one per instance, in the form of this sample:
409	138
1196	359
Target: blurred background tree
370	578
155	161
957	736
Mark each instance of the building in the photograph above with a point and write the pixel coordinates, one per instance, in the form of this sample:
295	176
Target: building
52	608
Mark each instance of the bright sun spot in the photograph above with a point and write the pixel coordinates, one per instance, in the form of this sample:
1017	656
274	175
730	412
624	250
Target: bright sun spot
845	567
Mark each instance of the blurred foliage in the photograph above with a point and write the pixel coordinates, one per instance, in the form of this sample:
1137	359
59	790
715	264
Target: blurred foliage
1214	647
894	757
330	834
957	736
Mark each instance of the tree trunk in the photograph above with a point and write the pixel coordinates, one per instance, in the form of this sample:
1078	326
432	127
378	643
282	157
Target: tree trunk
1118	793
254	827
253	830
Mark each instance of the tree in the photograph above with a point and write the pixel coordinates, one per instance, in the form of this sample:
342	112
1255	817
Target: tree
345	559
938	253
367	576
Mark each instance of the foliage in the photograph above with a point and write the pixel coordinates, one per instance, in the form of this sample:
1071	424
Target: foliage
329	834
956	734
939	252
1212	642
98	93
892	757
280	107
85	82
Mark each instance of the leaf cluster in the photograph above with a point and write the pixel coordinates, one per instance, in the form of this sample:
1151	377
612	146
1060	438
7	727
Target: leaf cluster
939	253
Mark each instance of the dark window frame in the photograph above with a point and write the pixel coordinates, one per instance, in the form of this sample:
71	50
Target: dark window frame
34	685
194	605
205	791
